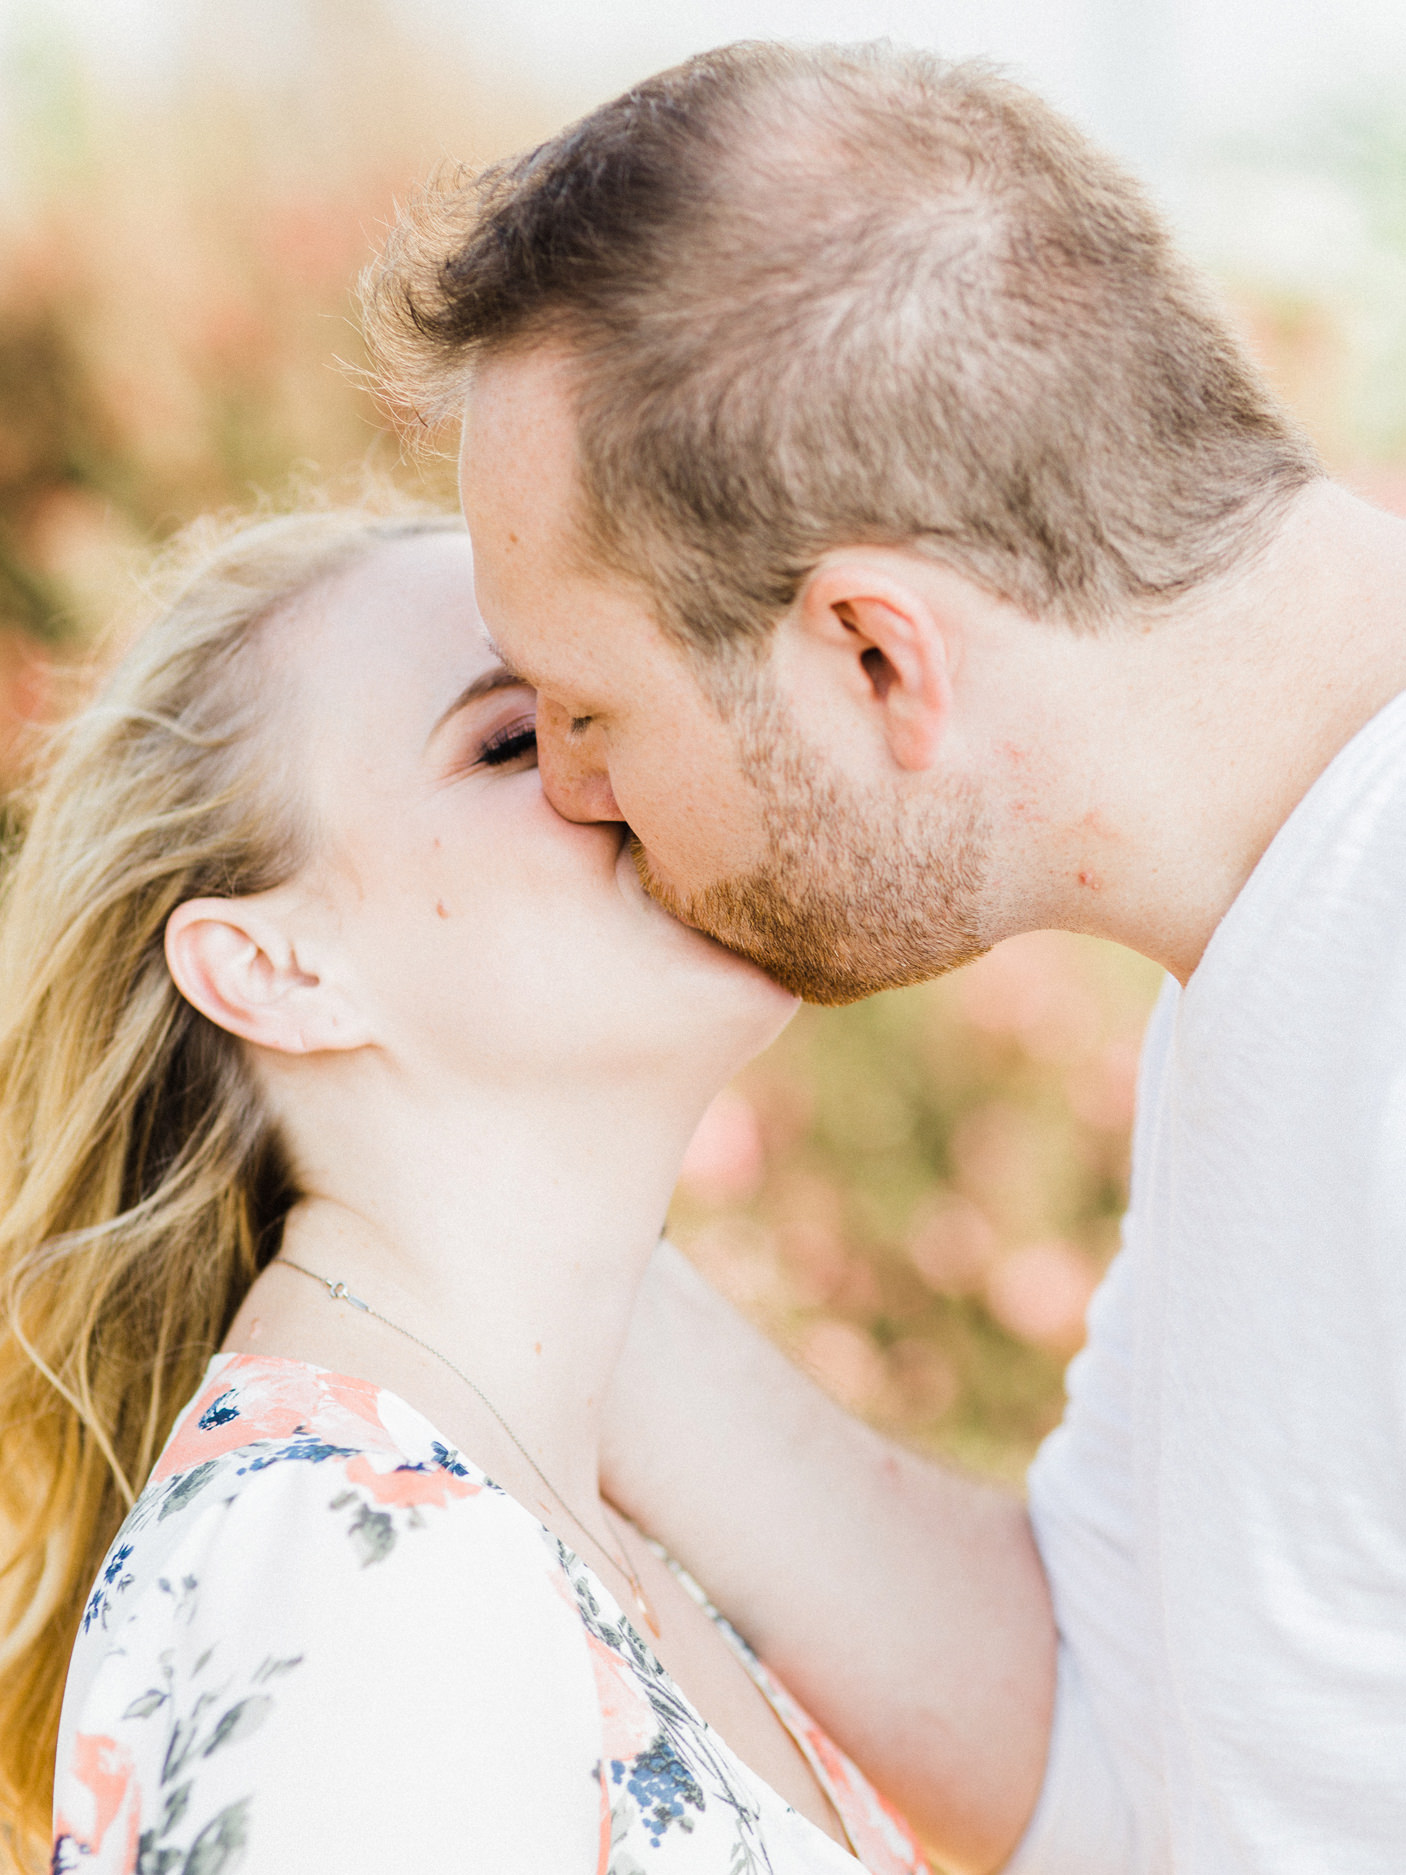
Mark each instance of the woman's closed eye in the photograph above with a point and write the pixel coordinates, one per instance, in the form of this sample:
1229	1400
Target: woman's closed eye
509	743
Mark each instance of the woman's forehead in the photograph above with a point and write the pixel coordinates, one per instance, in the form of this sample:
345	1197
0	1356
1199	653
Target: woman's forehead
401	627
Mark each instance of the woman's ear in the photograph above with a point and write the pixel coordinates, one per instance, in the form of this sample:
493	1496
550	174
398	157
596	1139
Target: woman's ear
232	960
895	642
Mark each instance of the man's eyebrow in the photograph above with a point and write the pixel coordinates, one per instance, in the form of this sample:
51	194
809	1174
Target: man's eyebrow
499	678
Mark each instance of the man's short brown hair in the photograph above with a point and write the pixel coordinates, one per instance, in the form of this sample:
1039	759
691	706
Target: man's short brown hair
851	294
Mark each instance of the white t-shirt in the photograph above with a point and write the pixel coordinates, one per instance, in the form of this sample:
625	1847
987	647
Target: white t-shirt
1223	1511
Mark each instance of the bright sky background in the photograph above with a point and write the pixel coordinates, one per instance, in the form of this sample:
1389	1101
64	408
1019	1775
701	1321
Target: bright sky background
1229	108
1158	78
1174	86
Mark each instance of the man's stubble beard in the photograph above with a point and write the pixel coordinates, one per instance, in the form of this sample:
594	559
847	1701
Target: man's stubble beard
857	893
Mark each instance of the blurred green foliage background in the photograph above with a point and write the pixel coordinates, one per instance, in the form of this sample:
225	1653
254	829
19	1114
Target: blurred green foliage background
915	1195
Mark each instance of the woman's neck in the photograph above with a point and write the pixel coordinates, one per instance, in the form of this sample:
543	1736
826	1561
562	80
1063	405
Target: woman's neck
508	1234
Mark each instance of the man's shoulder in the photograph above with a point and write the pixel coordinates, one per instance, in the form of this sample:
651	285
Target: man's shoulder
1326	905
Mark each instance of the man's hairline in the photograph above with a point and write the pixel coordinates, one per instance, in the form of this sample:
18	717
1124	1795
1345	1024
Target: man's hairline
583	551
586	553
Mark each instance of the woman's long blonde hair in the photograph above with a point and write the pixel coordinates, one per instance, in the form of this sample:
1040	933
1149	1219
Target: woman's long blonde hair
141	1183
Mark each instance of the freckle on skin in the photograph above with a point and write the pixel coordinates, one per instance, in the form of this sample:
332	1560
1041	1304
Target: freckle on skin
537	1347
439	907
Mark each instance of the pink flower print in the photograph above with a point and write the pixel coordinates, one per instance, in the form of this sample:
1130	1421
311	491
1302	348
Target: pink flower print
104	1769
252	1397
407	1487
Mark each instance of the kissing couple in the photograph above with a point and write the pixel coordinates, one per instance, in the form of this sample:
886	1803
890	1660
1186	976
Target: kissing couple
878	544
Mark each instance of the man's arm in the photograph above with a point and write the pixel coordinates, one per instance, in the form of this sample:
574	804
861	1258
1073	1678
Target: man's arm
904	1604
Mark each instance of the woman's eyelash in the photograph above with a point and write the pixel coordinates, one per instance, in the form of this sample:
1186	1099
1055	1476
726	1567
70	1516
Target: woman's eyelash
508	745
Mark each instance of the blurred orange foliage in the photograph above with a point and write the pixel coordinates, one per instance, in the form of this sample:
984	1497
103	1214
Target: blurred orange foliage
176	329
917	1195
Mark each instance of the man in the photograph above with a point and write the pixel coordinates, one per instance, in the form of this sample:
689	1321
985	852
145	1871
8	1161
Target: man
902	545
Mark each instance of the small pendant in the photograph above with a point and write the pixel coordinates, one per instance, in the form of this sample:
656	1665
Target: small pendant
646	1611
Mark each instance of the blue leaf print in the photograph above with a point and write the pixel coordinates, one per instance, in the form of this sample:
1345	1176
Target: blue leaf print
221	1844
177	1803
219	1412
183	1488
111	1582
309	1451
68	1854
448	1461
372	1531
152	1860
114	1567
271	1669
238	1722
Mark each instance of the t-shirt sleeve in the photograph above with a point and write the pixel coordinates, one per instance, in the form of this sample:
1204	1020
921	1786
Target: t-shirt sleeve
1082	1511
322	1679
1083	1824
1101	1778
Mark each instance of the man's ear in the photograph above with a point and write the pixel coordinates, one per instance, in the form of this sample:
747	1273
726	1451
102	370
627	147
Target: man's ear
233	961
892	634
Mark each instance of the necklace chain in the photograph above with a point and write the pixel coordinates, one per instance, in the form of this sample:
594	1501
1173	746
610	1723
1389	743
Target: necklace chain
339	1292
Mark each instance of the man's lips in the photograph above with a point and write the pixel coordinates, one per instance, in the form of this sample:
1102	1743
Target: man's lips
632	869
638	877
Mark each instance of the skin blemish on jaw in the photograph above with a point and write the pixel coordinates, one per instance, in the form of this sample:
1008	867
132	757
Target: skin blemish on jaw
440	908
1090	881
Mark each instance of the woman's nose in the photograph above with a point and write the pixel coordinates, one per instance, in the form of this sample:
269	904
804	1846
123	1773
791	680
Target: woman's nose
574	778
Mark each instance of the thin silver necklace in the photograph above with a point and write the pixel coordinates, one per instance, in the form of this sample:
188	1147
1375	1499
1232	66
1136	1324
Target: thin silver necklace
340	1293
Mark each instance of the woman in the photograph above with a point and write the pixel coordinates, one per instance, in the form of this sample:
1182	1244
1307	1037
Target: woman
330	1047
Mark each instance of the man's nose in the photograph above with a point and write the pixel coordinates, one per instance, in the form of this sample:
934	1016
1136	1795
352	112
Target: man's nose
574	778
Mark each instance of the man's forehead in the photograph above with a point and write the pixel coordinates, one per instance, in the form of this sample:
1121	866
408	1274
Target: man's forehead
555	616
574	647
519	431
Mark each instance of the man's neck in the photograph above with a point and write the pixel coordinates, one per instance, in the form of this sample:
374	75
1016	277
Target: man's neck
1207	727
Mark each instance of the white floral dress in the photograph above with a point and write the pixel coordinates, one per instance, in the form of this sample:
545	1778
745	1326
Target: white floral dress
324	1642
